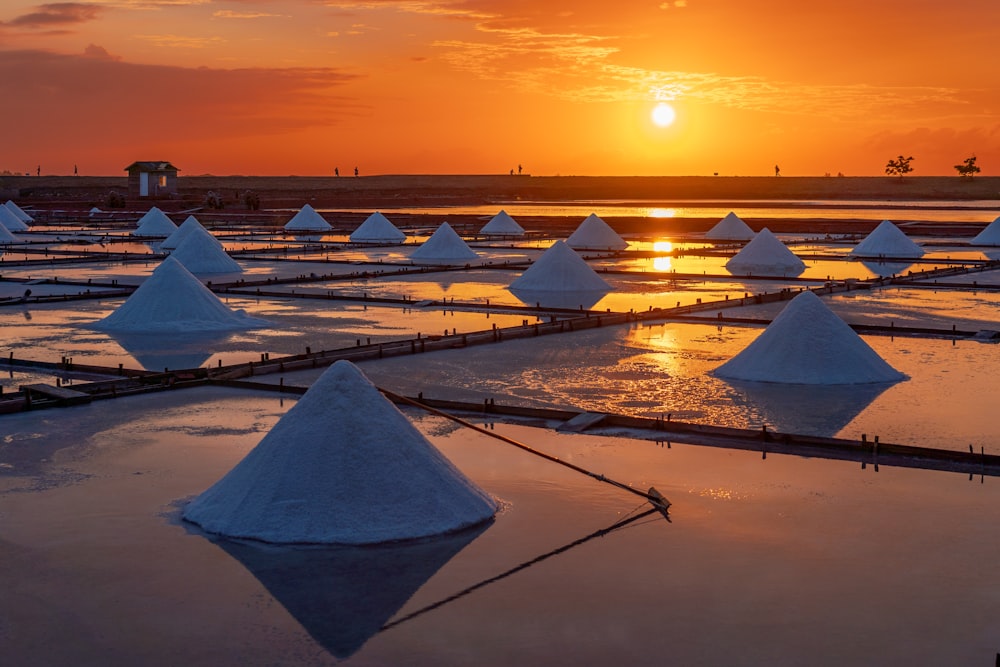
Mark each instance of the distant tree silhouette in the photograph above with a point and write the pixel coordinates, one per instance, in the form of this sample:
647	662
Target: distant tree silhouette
899	167
968	169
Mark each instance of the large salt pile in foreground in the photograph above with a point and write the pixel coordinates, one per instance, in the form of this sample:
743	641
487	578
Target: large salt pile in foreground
730	228
444	245
307	219
10	220
200	252
155	224
502	224
173	300
595	234
808	344
343	466
181	233
377	229
887	240
560	268
989	236
766	255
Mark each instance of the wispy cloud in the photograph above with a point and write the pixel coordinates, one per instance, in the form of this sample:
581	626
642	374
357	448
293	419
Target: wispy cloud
181	41
56	15
230	14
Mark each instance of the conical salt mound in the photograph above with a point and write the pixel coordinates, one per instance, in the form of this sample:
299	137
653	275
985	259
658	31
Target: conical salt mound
10	221
307	219
887	240
766	255
5	235
502	224
990	235
444	245
377	229
18	211
181	233
155	224
730	228
172	300
808	344
595	234
200	252
343	466
560	269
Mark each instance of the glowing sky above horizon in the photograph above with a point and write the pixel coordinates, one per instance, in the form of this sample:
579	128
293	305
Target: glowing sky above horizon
481	86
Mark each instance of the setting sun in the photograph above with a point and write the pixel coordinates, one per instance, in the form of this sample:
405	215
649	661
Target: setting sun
663	114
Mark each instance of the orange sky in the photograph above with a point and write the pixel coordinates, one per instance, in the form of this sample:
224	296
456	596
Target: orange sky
480	86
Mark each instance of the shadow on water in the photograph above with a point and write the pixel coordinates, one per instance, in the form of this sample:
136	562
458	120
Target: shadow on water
343	595
819	410
155	352
583	299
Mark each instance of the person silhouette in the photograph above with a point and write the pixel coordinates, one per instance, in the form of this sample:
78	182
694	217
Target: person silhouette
777	170
355	171
336	171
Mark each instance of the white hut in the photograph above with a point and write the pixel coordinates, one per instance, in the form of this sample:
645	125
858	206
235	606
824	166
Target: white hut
307	219
377	229
502	224
595	234
808	344
343	466
444	246
730	228
887	240
766	255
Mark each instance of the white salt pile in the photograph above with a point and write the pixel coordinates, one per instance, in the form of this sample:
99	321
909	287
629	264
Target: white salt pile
155	224
180	233
560	268
595	234
730	228
887	240
502	224
343	466
307	219
377	229
173	300
808	344
200	252
766	255
5	235
990	235
10	220
94	211
444	246
18	211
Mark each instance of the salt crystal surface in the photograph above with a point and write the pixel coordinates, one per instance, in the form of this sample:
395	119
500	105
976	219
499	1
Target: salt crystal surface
173	300
375	229
5	235
766	255
808	344
343	466
155	224
730	228
445	245
560	268
502	224
18	211
990	235
307	219
595	233
200	252
180	233
887	240
11	221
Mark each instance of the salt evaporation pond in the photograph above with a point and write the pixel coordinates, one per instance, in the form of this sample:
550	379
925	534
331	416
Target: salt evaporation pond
784	560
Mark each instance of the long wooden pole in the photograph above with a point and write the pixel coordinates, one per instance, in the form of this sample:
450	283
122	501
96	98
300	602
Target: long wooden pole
653	496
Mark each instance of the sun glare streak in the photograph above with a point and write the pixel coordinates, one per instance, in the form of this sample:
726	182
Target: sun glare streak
662	213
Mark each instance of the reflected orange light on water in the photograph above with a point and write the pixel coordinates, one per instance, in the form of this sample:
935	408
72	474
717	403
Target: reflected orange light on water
662	213
662	263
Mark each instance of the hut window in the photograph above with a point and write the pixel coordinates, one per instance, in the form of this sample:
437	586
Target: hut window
163	181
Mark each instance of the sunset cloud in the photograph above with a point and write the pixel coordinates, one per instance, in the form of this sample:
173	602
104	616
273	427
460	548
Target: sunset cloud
56	15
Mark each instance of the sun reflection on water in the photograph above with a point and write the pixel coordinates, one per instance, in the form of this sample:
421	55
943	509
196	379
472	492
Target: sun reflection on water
662	263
